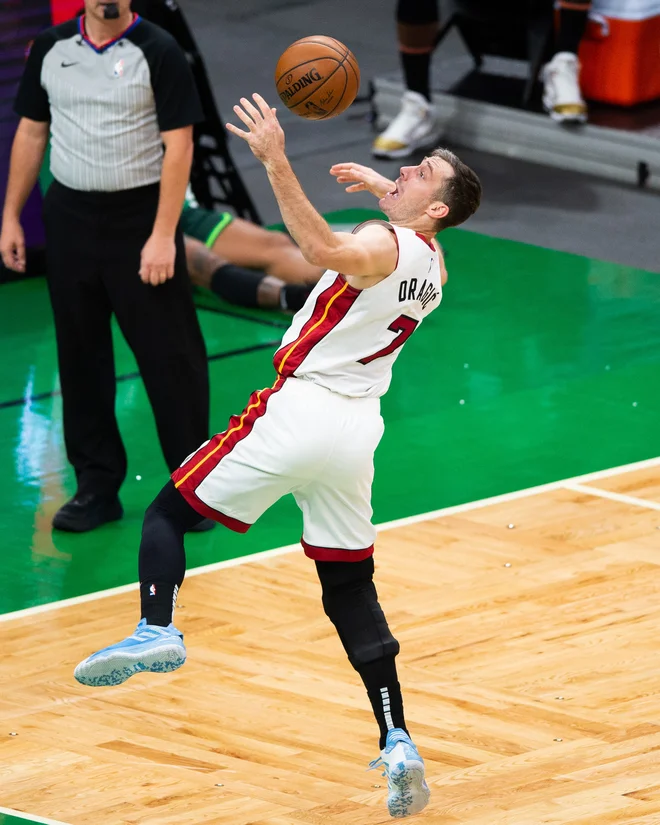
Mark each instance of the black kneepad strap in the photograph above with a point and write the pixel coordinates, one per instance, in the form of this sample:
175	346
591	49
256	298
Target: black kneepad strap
237	285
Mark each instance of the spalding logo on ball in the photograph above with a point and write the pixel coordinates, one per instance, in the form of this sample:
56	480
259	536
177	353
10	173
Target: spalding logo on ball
317	77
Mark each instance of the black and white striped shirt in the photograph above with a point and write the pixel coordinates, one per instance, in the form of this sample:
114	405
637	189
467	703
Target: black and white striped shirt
107	106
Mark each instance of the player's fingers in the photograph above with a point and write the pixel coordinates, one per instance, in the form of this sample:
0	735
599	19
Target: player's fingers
356	187
241	115
20	255
252	111
264	108
236	131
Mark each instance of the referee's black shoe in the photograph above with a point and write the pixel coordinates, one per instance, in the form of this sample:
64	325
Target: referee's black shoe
86	512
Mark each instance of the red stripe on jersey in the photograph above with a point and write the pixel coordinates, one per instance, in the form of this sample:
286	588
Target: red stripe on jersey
209	512
190	475
331	307
426	241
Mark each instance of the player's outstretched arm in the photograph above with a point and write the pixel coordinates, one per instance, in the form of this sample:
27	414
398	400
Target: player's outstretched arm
362	179
371	254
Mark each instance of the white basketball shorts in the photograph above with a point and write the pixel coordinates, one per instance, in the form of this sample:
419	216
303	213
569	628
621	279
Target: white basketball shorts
300	438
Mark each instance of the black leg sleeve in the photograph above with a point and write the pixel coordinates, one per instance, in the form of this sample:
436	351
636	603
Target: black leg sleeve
162	559
351	603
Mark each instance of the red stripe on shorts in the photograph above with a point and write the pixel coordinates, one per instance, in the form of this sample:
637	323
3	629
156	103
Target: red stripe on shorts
331	307
335	553
190	475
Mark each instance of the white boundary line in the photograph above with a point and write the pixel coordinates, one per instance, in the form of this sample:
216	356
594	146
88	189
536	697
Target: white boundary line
622	497
389	525
30	817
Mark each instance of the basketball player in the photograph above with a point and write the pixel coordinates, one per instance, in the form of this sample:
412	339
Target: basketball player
314	432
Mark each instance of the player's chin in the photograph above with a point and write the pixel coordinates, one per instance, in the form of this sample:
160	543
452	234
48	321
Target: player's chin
386	203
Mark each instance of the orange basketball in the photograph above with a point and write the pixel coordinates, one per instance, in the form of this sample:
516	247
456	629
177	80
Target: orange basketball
317	77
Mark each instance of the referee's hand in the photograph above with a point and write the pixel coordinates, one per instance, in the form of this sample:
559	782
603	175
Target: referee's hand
157	260
12	245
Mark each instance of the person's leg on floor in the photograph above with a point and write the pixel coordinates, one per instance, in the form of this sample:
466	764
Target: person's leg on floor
245	244
82	311
240	286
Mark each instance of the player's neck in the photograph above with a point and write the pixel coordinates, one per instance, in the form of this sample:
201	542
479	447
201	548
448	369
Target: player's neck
101	32
421	229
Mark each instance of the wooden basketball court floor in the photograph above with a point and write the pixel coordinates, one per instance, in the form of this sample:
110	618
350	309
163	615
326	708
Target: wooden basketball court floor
528	624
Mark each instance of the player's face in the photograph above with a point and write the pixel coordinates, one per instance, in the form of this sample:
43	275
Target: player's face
416	191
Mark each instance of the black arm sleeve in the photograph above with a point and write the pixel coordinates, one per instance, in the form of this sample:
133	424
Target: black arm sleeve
32	99
175	92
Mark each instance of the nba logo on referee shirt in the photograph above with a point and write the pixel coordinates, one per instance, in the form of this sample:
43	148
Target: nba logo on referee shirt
118	70
152	590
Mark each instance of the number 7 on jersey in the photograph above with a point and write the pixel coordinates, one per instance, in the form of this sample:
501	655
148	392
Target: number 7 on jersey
405	326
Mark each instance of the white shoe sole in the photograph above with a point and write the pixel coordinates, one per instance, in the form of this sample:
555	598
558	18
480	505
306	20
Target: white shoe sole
410	792
558	117
404	152
117	666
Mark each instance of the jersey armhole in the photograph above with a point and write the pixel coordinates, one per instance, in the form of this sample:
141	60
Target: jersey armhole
377	222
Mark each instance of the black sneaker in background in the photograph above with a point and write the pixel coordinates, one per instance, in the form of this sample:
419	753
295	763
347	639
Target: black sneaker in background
87	512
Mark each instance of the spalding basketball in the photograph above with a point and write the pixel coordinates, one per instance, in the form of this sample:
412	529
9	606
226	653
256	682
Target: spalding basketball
317	77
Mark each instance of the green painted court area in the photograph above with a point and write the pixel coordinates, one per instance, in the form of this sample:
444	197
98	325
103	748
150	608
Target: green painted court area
15	818
6	819
538	366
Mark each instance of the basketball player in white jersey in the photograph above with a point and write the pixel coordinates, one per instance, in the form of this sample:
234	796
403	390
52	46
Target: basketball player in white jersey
313	433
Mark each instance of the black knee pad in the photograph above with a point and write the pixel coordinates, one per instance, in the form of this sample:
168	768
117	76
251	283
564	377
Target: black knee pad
417	12
237	285
351	603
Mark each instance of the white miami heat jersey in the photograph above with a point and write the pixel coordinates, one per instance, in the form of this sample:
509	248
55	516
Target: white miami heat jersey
347	339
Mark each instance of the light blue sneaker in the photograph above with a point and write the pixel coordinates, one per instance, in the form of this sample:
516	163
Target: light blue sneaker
404	768
150	648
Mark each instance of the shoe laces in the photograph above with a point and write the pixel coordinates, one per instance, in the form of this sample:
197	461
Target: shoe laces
376	764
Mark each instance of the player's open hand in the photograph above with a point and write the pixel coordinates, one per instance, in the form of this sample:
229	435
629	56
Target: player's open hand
362	179
264	136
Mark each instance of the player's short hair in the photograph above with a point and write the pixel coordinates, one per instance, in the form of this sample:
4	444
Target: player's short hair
461	192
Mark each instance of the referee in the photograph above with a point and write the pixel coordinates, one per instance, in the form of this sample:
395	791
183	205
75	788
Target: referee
119	100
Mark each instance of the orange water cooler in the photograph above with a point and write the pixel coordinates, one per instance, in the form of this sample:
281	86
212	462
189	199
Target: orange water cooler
620	52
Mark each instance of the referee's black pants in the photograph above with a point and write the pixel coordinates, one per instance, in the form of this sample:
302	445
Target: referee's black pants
94	241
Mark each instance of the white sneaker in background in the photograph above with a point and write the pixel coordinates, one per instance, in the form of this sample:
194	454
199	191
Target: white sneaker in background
562	97
413	128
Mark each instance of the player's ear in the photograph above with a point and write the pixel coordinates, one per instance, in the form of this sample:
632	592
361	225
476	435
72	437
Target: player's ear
437	210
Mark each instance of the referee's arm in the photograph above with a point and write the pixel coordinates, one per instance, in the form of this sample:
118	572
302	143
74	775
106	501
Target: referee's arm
157	263
27	155
178	108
